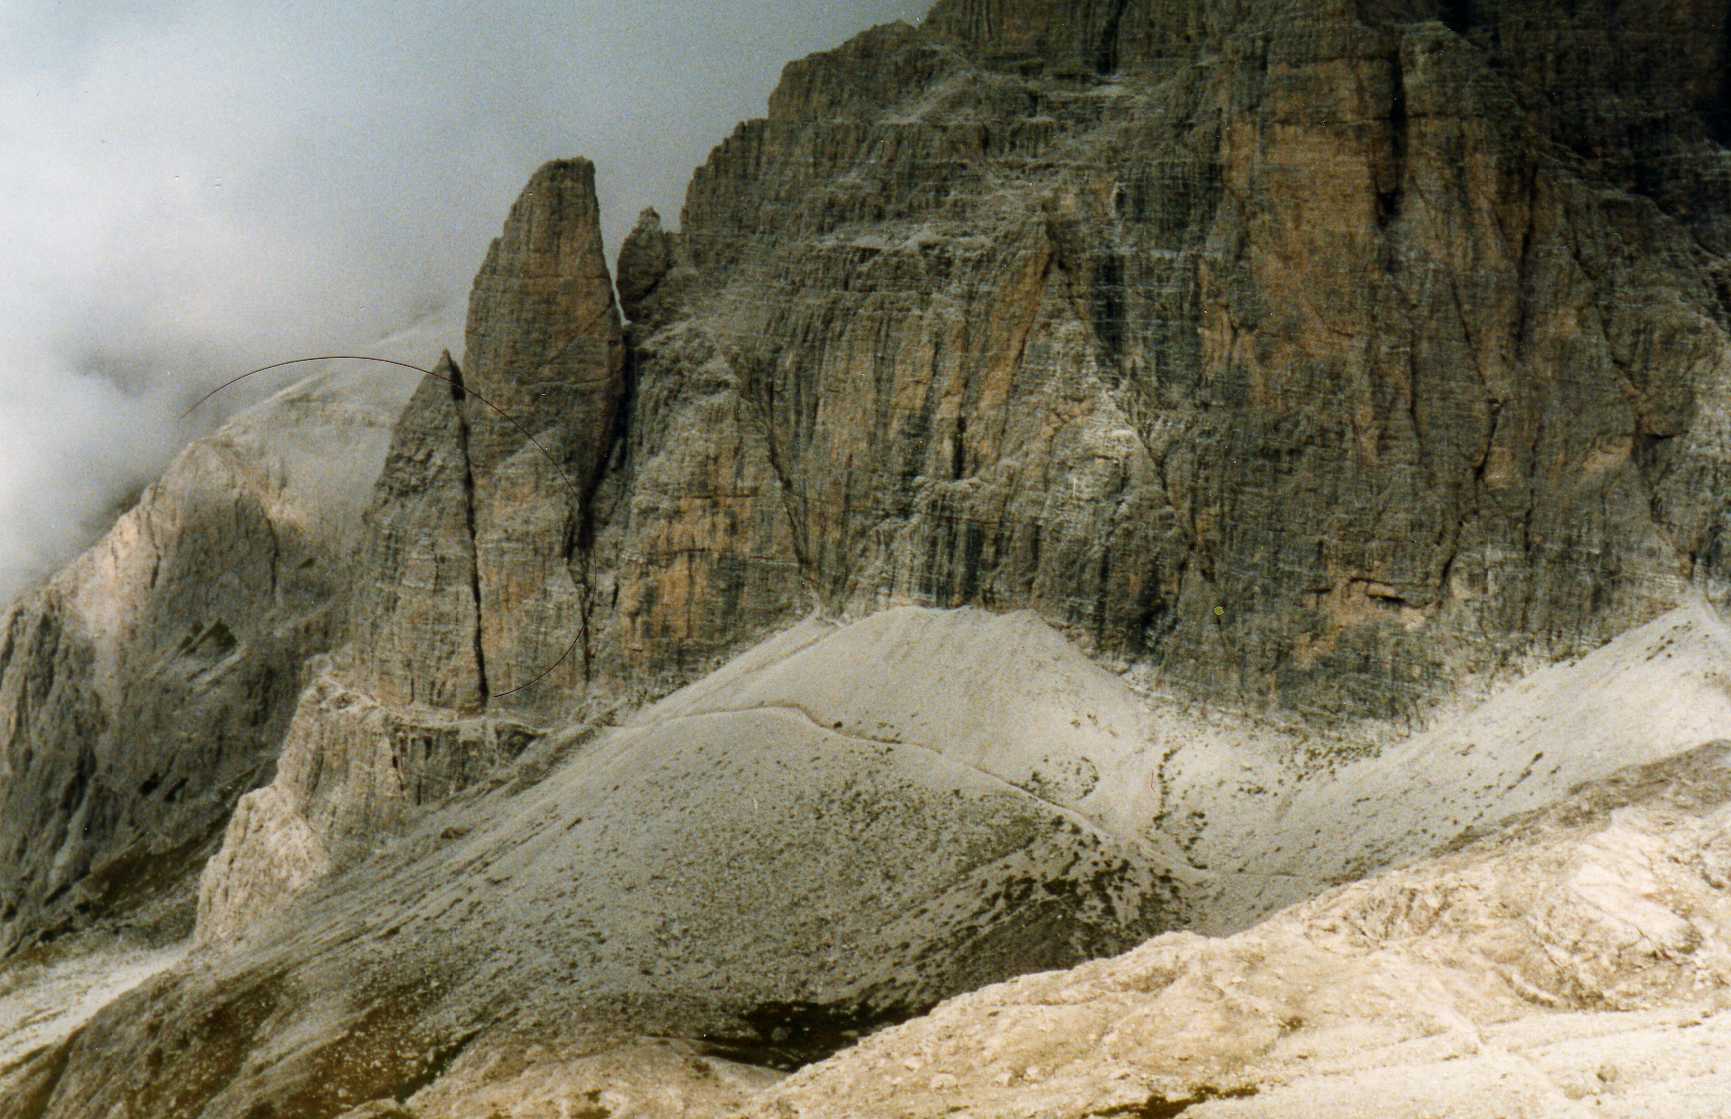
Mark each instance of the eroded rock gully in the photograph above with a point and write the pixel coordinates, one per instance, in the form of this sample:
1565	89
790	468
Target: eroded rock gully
1324	366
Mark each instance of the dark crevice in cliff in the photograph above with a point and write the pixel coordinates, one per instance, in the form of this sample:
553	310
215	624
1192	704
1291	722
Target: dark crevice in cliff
1106	53
1458	15
275	556
1717	111
1525	264
1103	575
37	1096
1388	202
763	407
10	642
458	396
1107	299
577	565
1412	409
580	536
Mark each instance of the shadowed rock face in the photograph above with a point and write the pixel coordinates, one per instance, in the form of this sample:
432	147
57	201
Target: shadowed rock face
544	346
419	616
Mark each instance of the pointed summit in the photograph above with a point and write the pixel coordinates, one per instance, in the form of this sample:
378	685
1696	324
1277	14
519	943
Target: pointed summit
545	345
644	261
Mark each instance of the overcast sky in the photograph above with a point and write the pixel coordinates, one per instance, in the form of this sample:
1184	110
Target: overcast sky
191	189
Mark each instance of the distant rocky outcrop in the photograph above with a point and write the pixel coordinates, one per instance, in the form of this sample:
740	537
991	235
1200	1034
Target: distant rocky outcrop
148	686
645	260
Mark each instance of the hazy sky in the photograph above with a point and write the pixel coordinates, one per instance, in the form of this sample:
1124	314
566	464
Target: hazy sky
191	189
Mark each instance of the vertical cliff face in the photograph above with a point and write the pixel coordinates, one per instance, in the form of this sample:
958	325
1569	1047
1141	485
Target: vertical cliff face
479	588
544	345
478	573
1302	356
1310	356
418	618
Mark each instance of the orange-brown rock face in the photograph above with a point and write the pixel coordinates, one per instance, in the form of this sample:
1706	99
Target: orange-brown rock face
1307	356
1326	358
479	581
544	346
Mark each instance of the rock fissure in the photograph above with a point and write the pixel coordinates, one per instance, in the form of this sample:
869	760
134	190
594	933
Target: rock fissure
459	402
1459	16
1106	54
1389	201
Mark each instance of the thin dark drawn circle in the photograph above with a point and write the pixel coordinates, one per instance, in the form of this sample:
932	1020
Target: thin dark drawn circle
577	498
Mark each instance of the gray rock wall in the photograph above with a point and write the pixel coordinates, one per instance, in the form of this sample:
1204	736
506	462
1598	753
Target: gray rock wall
145	688
1312	362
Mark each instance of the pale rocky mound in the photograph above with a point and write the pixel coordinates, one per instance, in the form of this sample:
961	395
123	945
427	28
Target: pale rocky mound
849	822
1577	962
758	864
1271	818
1002	694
